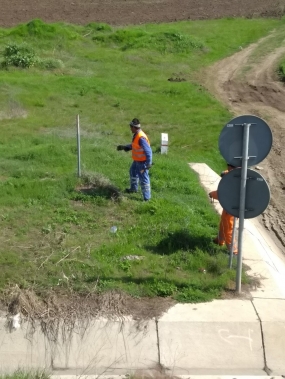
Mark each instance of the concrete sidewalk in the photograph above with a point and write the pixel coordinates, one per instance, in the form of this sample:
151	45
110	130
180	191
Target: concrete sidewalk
224	338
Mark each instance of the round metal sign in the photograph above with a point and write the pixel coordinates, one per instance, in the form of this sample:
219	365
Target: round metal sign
257	193
231	140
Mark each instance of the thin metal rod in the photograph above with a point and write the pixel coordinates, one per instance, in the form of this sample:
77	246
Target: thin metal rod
244	165
233	244
78	146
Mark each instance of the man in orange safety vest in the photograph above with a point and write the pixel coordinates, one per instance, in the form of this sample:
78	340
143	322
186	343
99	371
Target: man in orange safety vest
142	160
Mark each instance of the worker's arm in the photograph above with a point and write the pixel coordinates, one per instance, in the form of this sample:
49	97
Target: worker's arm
147	150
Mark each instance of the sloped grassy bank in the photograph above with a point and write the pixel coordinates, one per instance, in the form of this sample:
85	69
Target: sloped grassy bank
56	229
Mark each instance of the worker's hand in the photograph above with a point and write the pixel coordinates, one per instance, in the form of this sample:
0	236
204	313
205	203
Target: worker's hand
211	195
120	147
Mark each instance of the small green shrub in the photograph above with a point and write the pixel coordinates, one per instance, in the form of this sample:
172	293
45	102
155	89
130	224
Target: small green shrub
281	71
162	288
19	56
49	63
24	56
37	29
171	42
99	27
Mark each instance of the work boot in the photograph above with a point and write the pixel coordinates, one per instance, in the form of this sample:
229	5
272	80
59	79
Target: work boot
235	253
129	190
216	241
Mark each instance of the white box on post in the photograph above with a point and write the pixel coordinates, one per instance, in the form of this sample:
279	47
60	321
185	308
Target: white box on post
164	143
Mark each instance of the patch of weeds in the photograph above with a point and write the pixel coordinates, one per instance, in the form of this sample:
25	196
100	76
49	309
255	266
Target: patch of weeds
19	56
97	185
68	216
98	27
83	91
195	295
147	208
281	71
49	64
23	374
125	266
162	288
41	30
170	42
24	56
39	104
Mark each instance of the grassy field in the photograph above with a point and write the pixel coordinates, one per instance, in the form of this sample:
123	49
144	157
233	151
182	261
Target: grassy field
56	228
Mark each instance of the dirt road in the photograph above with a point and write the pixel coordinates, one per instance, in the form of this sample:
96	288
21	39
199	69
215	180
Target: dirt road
248	86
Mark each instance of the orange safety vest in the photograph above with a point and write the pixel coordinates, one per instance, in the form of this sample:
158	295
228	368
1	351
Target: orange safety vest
138	153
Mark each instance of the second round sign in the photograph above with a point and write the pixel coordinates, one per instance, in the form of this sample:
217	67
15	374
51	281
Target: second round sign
257	193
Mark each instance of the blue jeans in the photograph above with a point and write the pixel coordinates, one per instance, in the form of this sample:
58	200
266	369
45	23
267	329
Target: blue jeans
139	174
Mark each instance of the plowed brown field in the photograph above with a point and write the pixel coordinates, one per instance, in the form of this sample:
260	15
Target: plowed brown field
120	12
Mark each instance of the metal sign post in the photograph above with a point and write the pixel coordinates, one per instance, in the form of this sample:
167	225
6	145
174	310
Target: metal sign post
243	193
78	146
242	203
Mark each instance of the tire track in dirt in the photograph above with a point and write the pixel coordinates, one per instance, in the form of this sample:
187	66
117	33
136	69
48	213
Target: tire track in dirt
248	87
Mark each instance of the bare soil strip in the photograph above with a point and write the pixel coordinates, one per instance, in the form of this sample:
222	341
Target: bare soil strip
122	12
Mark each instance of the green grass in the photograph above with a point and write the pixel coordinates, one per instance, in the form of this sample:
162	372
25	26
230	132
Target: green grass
21	374
55	227
281	70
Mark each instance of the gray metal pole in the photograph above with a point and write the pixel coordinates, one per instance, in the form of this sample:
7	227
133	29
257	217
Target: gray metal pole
246	128
78	146
233	243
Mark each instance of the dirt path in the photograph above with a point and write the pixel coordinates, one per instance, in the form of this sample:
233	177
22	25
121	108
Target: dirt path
248	87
